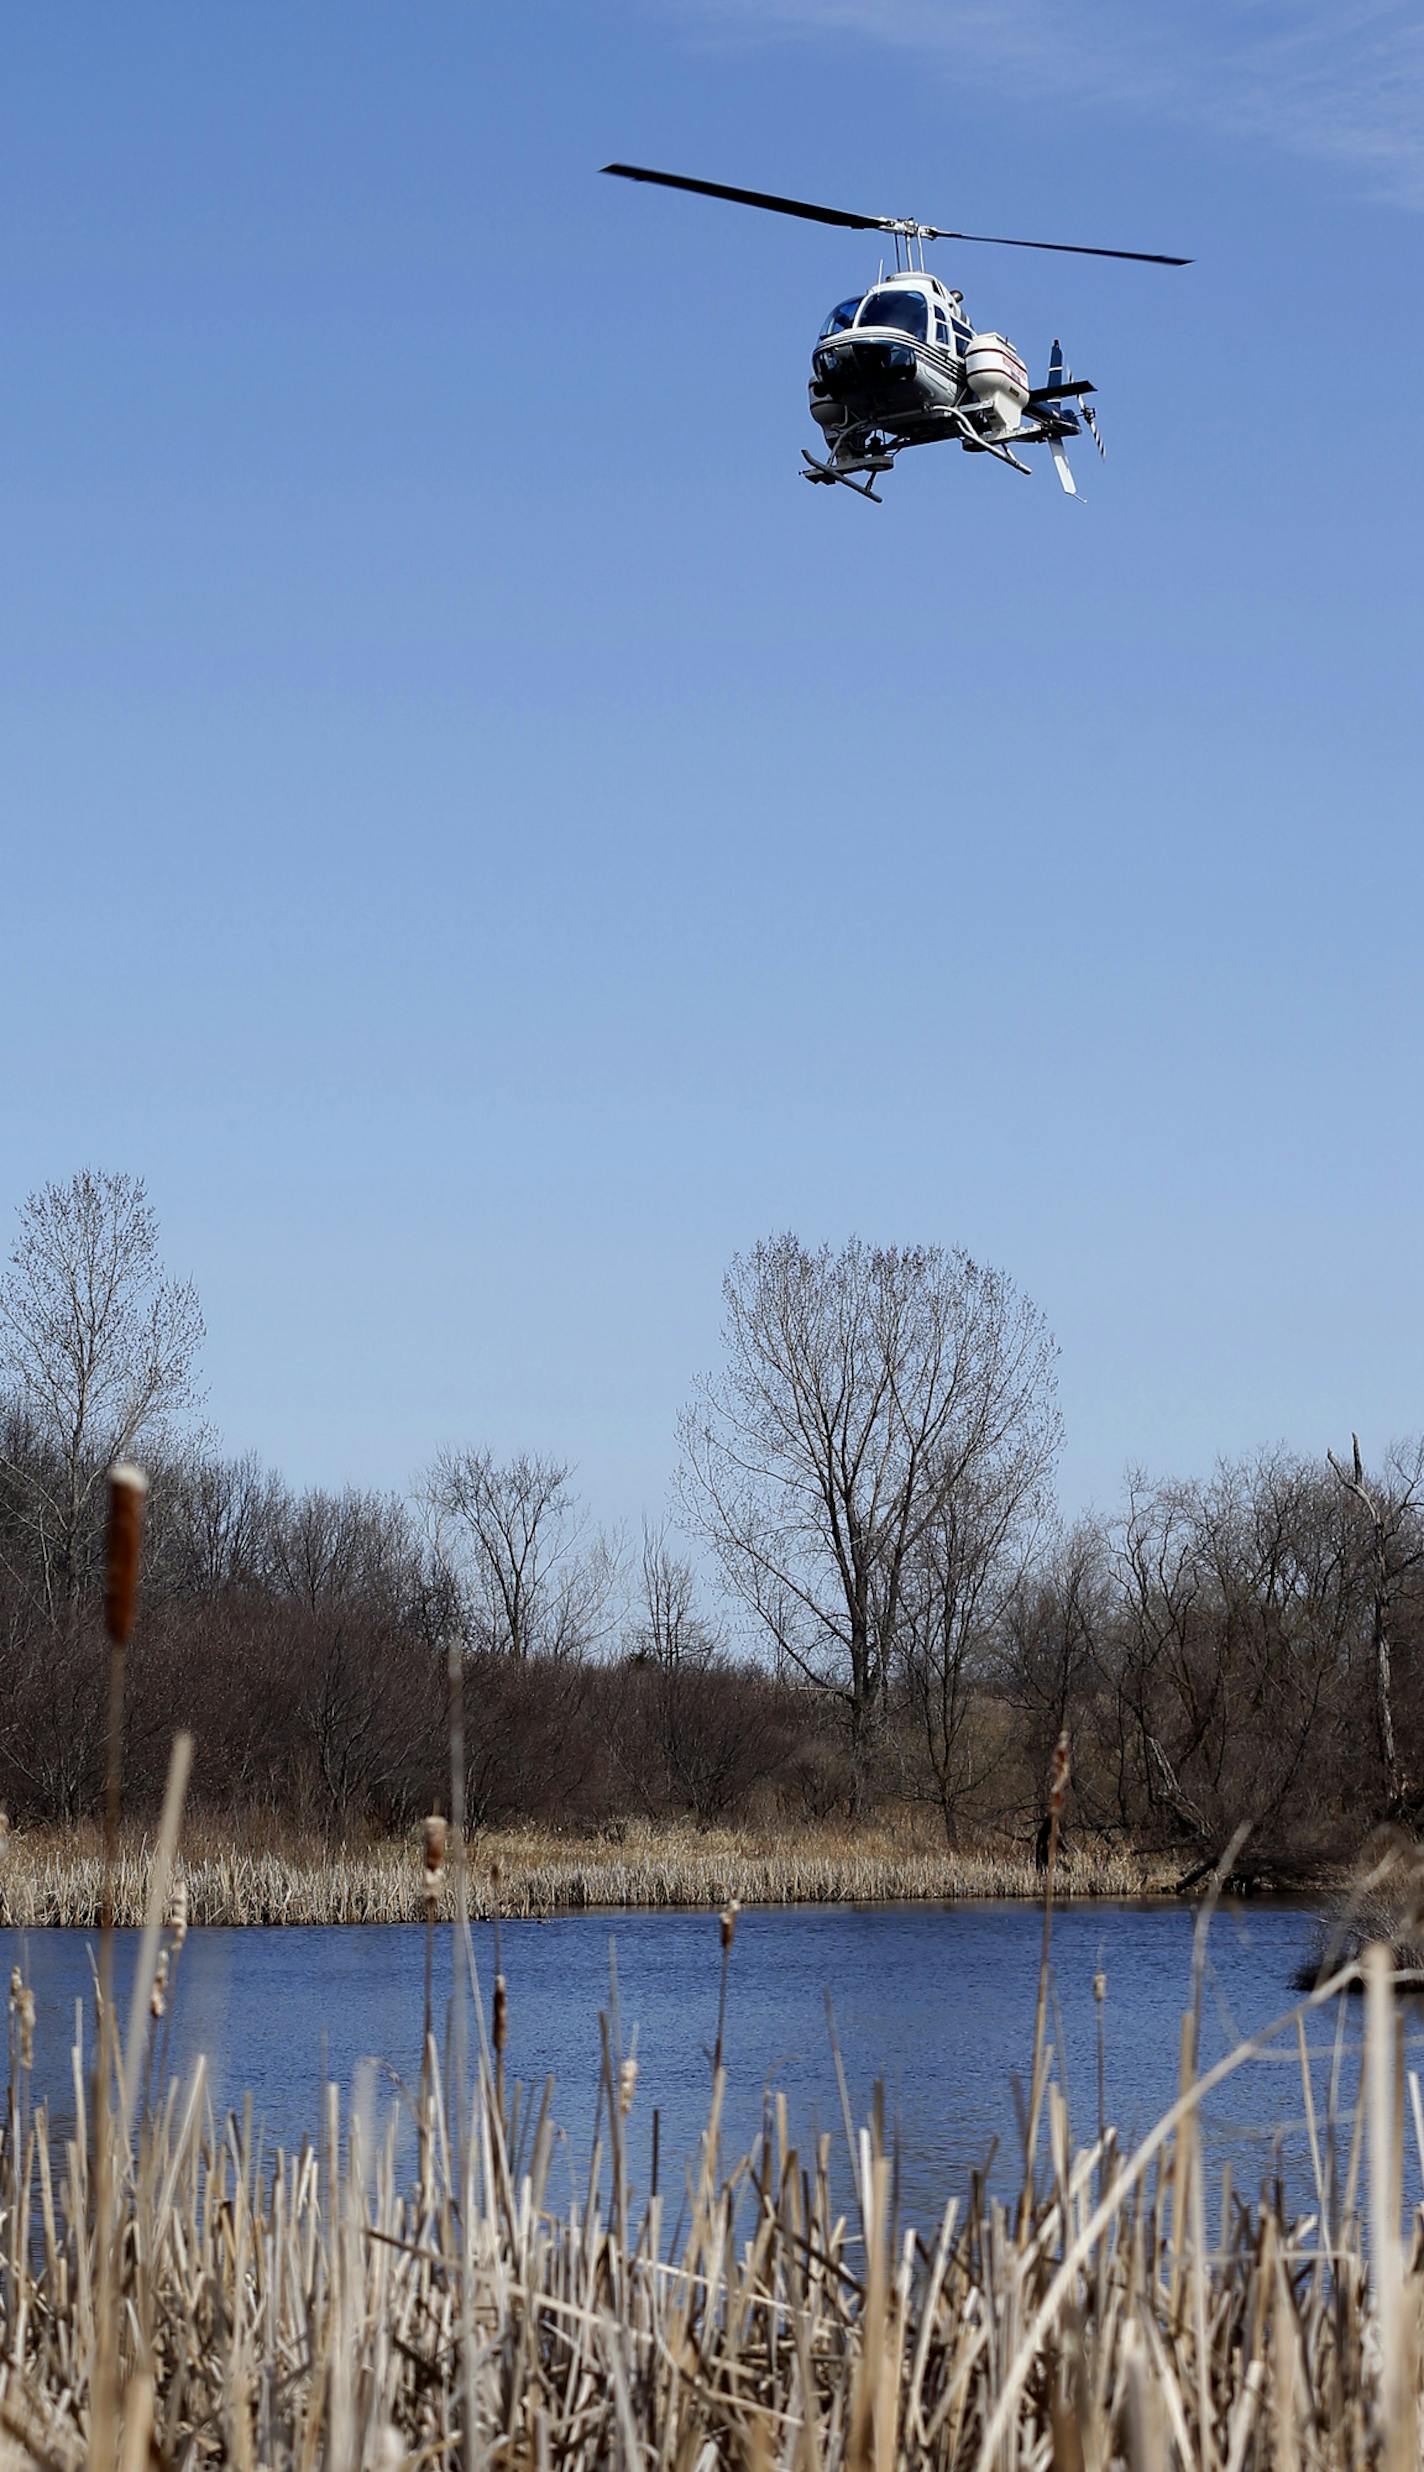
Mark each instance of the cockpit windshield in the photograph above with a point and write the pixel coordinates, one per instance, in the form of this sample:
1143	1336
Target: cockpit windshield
840	318
907	312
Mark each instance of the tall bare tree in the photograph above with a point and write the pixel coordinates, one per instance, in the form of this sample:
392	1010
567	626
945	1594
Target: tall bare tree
97	1344
534	1582
865	1391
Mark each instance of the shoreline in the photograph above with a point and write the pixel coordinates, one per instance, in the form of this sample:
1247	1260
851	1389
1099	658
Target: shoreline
48	1881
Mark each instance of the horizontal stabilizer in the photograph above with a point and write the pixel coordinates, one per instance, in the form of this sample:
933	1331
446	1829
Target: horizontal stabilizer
1064	386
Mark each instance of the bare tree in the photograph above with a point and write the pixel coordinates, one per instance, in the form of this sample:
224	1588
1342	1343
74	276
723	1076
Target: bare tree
668	1631
705	1720
1392	1509
210	1523
364	1703
97	1343
1051	1635
535	1583
352	1547
1224	1651
959	1582
864	1391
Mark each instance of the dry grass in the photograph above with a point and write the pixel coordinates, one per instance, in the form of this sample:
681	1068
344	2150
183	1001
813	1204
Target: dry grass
51	1878
316	2309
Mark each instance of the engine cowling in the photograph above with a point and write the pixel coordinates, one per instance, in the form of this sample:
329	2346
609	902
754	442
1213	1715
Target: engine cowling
998	378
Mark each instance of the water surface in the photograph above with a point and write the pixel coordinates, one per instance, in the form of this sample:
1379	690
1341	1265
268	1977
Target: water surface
937	2002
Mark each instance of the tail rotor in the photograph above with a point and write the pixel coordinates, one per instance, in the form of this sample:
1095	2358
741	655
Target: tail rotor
1059	374
1062	399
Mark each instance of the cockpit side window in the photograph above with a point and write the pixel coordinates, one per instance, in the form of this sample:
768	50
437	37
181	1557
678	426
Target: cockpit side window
842	316
908	312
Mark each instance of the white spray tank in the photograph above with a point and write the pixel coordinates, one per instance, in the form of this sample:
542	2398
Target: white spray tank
997	376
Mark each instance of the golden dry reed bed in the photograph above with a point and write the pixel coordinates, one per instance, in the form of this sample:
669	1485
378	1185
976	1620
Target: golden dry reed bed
49	1878
173	2295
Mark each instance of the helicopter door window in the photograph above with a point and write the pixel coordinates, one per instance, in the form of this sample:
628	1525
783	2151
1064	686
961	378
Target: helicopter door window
941	329
908	312
839	319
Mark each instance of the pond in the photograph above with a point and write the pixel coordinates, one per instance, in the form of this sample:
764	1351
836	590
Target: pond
937	2002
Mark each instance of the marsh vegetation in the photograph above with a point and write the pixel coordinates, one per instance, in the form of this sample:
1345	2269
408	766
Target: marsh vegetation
55	1876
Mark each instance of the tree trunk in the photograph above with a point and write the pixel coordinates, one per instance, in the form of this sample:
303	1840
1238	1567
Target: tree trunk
1384	1698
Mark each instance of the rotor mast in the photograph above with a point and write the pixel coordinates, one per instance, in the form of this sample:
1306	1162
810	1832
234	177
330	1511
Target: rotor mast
910	238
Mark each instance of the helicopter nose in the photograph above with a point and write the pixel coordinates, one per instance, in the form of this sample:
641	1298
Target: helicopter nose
841	364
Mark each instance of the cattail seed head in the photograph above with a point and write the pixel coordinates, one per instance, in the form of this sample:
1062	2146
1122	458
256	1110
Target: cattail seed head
128	1489
178	1912
27	2027
158	1997
1100	1987
17	1984
727	1920
436	1831
627	2085
501	2012
1059	1784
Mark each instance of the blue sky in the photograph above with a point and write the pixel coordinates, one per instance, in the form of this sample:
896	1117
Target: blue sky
485	842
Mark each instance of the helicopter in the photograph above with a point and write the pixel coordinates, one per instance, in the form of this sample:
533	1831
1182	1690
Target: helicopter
902	364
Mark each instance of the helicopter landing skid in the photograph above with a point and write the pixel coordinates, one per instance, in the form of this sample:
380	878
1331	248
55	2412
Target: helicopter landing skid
860	489
978	445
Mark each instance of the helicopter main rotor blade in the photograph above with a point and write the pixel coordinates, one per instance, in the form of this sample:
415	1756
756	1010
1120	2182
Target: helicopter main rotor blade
754	197
872	223
1064	248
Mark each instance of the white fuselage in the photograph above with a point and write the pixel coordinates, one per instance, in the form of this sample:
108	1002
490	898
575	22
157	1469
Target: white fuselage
905	358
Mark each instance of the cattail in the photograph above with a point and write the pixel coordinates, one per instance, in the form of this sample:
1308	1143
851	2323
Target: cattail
627	2085
17	1984
728	1921
501	2015
1100	1987
158	1997
26	2013
1059	1783
178	1913
4	1833
436	1831
128	1487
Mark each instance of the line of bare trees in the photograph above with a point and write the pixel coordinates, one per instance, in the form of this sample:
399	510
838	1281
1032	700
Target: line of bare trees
902	1619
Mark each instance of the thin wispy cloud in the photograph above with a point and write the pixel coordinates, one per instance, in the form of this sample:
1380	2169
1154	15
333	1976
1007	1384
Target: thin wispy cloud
1341	80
